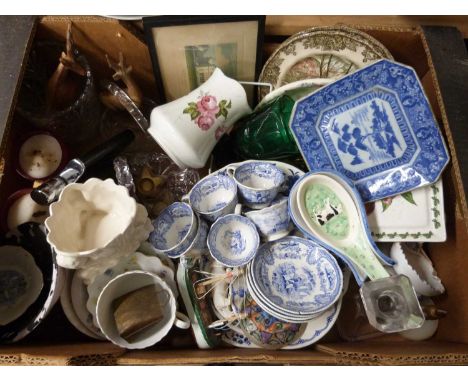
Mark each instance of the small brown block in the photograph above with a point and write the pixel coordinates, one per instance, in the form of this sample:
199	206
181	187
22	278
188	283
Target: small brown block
137	310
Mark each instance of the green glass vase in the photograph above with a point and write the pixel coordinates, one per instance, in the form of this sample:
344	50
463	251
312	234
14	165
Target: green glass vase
265	133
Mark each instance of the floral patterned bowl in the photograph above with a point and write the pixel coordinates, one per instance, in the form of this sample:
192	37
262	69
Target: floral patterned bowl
233	240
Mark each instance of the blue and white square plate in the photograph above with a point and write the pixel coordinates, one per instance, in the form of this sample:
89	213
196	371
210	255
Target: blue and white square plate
376	127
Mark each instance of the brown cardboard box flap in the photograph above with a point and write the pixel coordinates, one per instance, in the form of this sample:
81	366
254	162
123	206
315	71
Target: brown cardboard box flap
398	353
102	353
227	356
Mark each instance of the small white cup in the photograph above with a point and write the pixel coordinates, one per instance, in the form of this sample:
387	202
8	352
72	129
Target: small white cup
128	282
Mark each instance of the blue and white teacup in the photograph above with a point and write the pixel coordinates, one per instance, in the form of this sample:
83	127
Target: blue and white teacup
213	197
175	230
258	182
273	222
233	240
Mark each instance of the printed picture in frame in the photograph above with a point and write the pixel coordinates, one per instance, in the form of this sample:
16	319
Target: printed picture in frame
185	50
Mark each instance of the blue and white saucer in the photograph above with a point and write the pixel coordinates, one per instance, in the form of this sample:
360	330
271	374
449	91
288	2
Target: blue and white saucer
374	126
296	276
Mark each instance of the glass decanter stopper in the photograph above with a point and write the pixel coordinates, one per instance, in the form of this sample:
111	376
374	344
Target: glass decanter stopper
391	304
265	133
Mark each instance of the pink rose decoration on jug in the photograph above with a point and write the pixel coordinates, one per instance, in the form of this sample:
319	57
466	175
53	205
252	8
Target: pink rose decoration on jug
205	121
208	104
207	110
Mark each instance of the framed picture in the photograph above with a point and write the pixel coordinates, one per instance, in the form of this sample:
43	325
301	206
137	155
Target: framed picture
186	49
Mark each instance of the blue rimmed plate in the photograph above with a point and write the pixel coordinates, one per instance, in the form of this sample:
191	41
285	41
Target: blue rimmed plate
297	276
376	127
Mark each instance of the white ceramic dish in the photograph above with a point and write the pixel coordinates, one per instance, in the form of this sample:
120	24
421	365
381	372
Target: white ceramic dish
417	215
67	306
417	266
79	298
147	249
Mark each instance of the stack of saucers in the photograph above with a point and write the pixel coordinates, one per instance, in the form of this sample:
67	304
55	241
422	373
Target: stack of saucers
293	279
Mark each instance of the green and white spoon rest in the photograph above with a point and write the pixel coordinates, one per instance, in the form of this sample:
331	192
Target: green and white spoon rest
327	208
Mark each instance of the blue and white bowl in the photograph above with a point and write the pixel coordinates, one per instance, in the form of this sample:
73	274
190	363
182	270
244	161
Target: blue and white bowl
258	182
213	197
233	240
296	276
273	222
175	230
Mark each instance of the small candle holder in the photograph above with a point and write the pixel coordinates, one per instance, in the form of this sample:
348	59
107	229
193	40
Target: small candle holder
391	304
41	155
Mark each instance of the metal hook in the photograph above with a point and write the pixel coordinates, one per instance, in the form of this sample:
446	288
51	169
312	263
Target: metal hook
253	83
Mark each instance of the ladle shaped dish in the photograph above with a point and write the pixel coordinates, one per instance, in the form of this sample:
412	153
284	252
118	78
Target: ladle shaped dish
327	208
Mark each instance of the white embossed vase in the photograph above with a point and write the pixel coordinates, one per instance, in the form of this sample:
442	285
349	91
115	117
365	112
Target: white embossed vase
188	128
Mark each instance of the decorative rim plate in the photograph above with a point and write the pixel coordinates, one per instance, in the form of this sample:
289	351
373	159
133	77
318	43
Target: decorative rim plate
66	302
79	297
320	52
416	215
376	127
297	276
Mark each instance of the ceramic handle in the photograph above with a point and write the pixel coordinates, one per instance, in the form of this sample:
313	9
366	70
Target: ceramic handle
230	170
238	209
182	321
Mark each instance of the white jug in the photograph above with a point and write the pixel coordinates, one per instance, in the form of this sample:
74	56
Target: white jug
188	128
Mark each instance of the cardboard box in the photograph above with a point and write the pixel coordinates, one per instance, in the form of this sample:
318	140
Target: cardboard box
56	342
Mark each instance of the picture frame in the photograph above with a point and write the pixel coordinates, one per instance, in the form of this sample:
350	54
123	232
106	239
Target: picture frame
185	50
